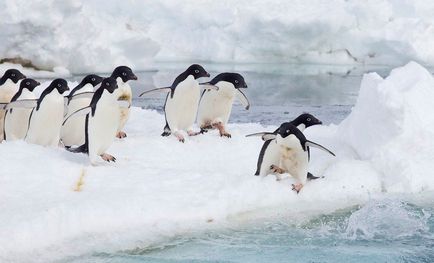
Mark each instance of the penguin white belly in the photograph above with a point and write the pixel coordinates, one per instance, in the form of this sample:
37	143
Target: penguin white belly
45	123
125	93
17	119
295	162
73	133
181	110
271	157
215	106
7	91
102	127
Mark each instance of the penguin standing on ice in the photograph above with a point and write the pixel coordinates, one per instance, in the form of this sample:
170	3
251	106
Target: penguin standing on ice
72	132
101	122
182	100
122	75
17	120
270	153
47	116
215	106
8	88
294	153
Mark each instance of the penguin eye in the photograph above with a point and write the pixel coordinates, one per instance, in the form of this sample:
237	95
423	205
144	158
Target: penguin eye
58	85
308	119
124	73
196	71
27	83
93	79
107	84
13	75
236	81
287	131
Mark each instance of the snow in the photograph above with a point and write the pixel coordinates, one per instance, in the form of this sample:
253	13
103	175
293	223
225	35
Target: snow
55	204
88	36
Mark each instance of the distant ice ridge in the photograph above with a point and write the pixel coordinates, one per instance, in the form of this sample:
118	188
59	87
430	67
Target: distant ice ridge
54	204
86	36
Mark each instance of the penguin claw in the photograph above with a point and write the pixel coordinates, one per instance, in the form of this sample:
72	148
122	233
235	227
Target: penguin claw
276	169
297	187
228	135
108	158
121	135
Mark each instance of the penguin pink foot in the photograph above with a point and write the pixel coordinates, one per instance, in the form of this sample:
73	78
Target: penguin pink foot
193	133
277	169
179	136
297	187
108	158
221	128
121	135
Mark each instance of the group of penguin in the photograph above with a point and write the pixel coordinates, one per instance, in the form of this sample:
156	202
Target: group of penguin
91	115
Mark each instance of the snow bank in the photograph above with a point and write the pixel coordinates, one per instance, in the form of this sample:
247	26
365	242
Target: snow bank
54	204
86	36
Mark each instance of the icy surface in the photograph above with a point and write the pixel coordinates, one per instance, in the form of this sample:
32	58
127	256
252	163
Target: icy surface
86	36
54	204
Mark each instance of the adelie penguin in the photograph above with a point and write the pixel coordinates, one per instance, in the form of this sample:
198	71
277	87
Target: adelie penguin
47	116
269	154
17	119
72	132
9	85
291	153
101	122
122	75
215	106
180	108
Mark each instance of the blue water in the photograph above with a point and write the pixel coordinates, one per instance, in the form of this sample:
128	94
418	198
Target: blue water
383	230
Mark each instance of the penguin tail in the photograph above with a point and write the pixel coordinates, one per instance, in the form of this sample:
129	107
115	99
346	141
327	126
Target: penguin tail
166	131
79	149
313	177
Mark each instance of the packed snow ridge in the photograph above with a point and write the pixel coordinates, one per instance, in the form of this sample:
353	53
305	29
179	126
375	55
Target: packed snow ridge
88	36
55	204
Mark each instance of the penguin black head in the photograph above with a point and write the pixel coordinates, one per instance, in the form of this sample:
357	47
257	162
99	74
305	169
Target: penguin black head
29	84
285	130
306	119
12	74
109	84
60	84
197	71
236	79
92	79
123	72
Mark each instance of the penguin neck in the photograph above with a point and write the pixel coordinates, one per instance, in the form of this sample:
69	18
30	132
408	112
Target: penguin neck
8	83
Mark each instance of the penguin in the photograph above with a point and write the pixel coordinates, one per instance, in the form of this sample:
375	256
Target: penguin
17	120
122	75
293	148
47	116
215	106
8	88
270	154
101	122
180	107
72	132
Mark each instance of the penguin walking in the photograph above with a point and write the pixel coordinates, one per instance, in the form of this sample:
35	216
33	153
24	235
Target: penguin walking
270	154
8	88
294	150
17	119
215	106
101	122
47	116
122	75
182	101
72	132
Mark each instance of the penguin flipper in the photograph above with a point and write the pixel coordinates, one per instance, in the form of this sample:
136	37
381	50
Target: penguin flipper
208	86
164	89
79	112
243	99
266	136
79	149
316	145
312	177
82	95
26	103
166	131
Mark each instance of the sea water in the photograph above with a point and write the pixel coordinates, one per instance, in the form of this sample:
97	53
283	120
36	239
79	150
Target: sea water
386	229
